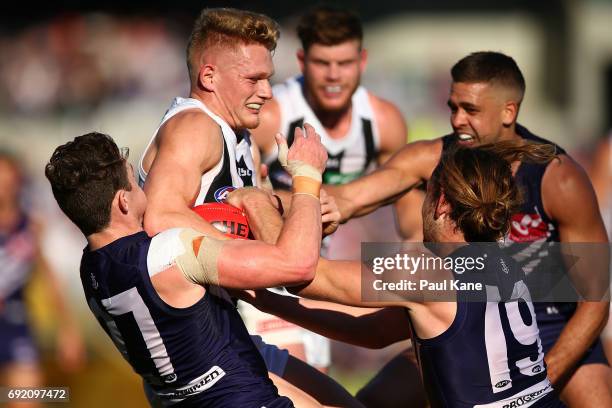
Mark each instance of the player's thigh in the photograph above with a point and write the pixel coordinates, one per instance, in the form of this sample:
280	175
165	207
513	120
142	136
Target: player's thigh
22	375
588	387
397	384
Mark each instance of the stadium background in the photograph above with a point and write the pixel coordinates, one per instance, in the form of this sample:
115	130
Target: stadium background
114	67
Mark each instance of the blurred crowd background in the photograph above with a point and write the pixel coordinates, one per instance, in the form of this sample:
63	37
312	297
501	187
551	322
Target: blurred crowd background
115	68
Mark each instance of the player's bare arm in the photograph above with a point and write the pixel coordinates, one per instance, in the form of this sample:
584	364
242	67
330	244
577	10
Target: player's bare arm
254	264
354	325
261	209
174	178
393	136
341	282
407	168
566	192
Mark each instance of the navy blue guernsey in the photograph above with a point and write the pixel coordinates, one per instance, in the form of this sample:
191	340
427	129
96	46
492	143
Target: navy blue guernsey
199	356
532	224
491	355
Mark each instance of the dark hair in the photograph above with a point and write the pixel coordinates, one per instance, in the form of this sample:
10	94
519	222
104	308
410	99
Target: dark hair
489	66
85	175
228	26
479	186
328	26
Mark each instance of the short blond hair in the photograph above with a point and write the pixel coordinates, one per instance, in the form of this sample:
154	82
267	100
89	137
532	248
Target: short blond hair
228	27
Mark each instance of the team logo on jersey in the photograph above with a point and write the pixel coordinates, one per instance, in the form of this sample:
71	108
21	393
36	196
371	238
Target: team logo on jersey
528	227
221	193
244	172
170	378
502	384
94	282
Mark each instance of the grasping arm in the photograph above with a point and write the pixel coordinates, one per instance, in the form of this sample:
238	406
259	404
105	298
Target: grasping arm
566	191
393	136
255	264
353	325
188	145
404	170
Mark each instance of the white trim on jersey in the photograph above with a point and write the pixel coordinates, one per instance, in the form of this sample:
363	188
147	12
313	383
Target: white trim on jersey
229	138
164	248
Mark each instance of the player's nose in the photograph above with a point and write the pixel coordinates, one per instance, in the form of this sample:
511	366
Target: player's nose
333	72
458	119
265	89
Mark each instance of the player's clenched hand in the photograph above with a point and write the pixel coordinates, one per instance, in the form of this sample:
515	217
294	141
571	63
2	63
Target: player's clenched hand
330	214
248	196
306	148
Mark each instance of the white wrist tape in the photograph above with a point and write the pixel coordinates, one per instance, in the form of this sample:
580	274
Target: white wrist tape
199	262
306	178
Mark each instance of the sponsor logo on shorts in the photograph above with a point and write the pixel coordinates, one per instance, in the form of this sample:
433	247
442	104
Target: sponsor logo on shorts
221	193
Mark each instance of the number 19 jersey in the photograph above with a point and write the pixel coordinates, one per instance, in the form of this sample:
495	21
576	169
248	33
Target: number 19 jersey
491	355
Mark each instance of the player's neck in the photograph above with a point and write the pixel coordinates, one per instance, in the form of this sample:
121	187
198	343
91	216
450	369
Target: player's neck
112	233
336	123
215	105
509	133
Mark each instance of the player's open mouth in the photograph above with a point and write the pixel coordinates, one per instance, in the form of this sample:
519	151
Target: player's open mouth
464	137
334	89
254	106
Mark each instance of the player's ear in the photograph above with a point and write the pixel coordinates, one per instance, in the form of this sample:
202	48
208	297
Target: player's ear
510	113
442	206
122	201
300	54
363	59
206	77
